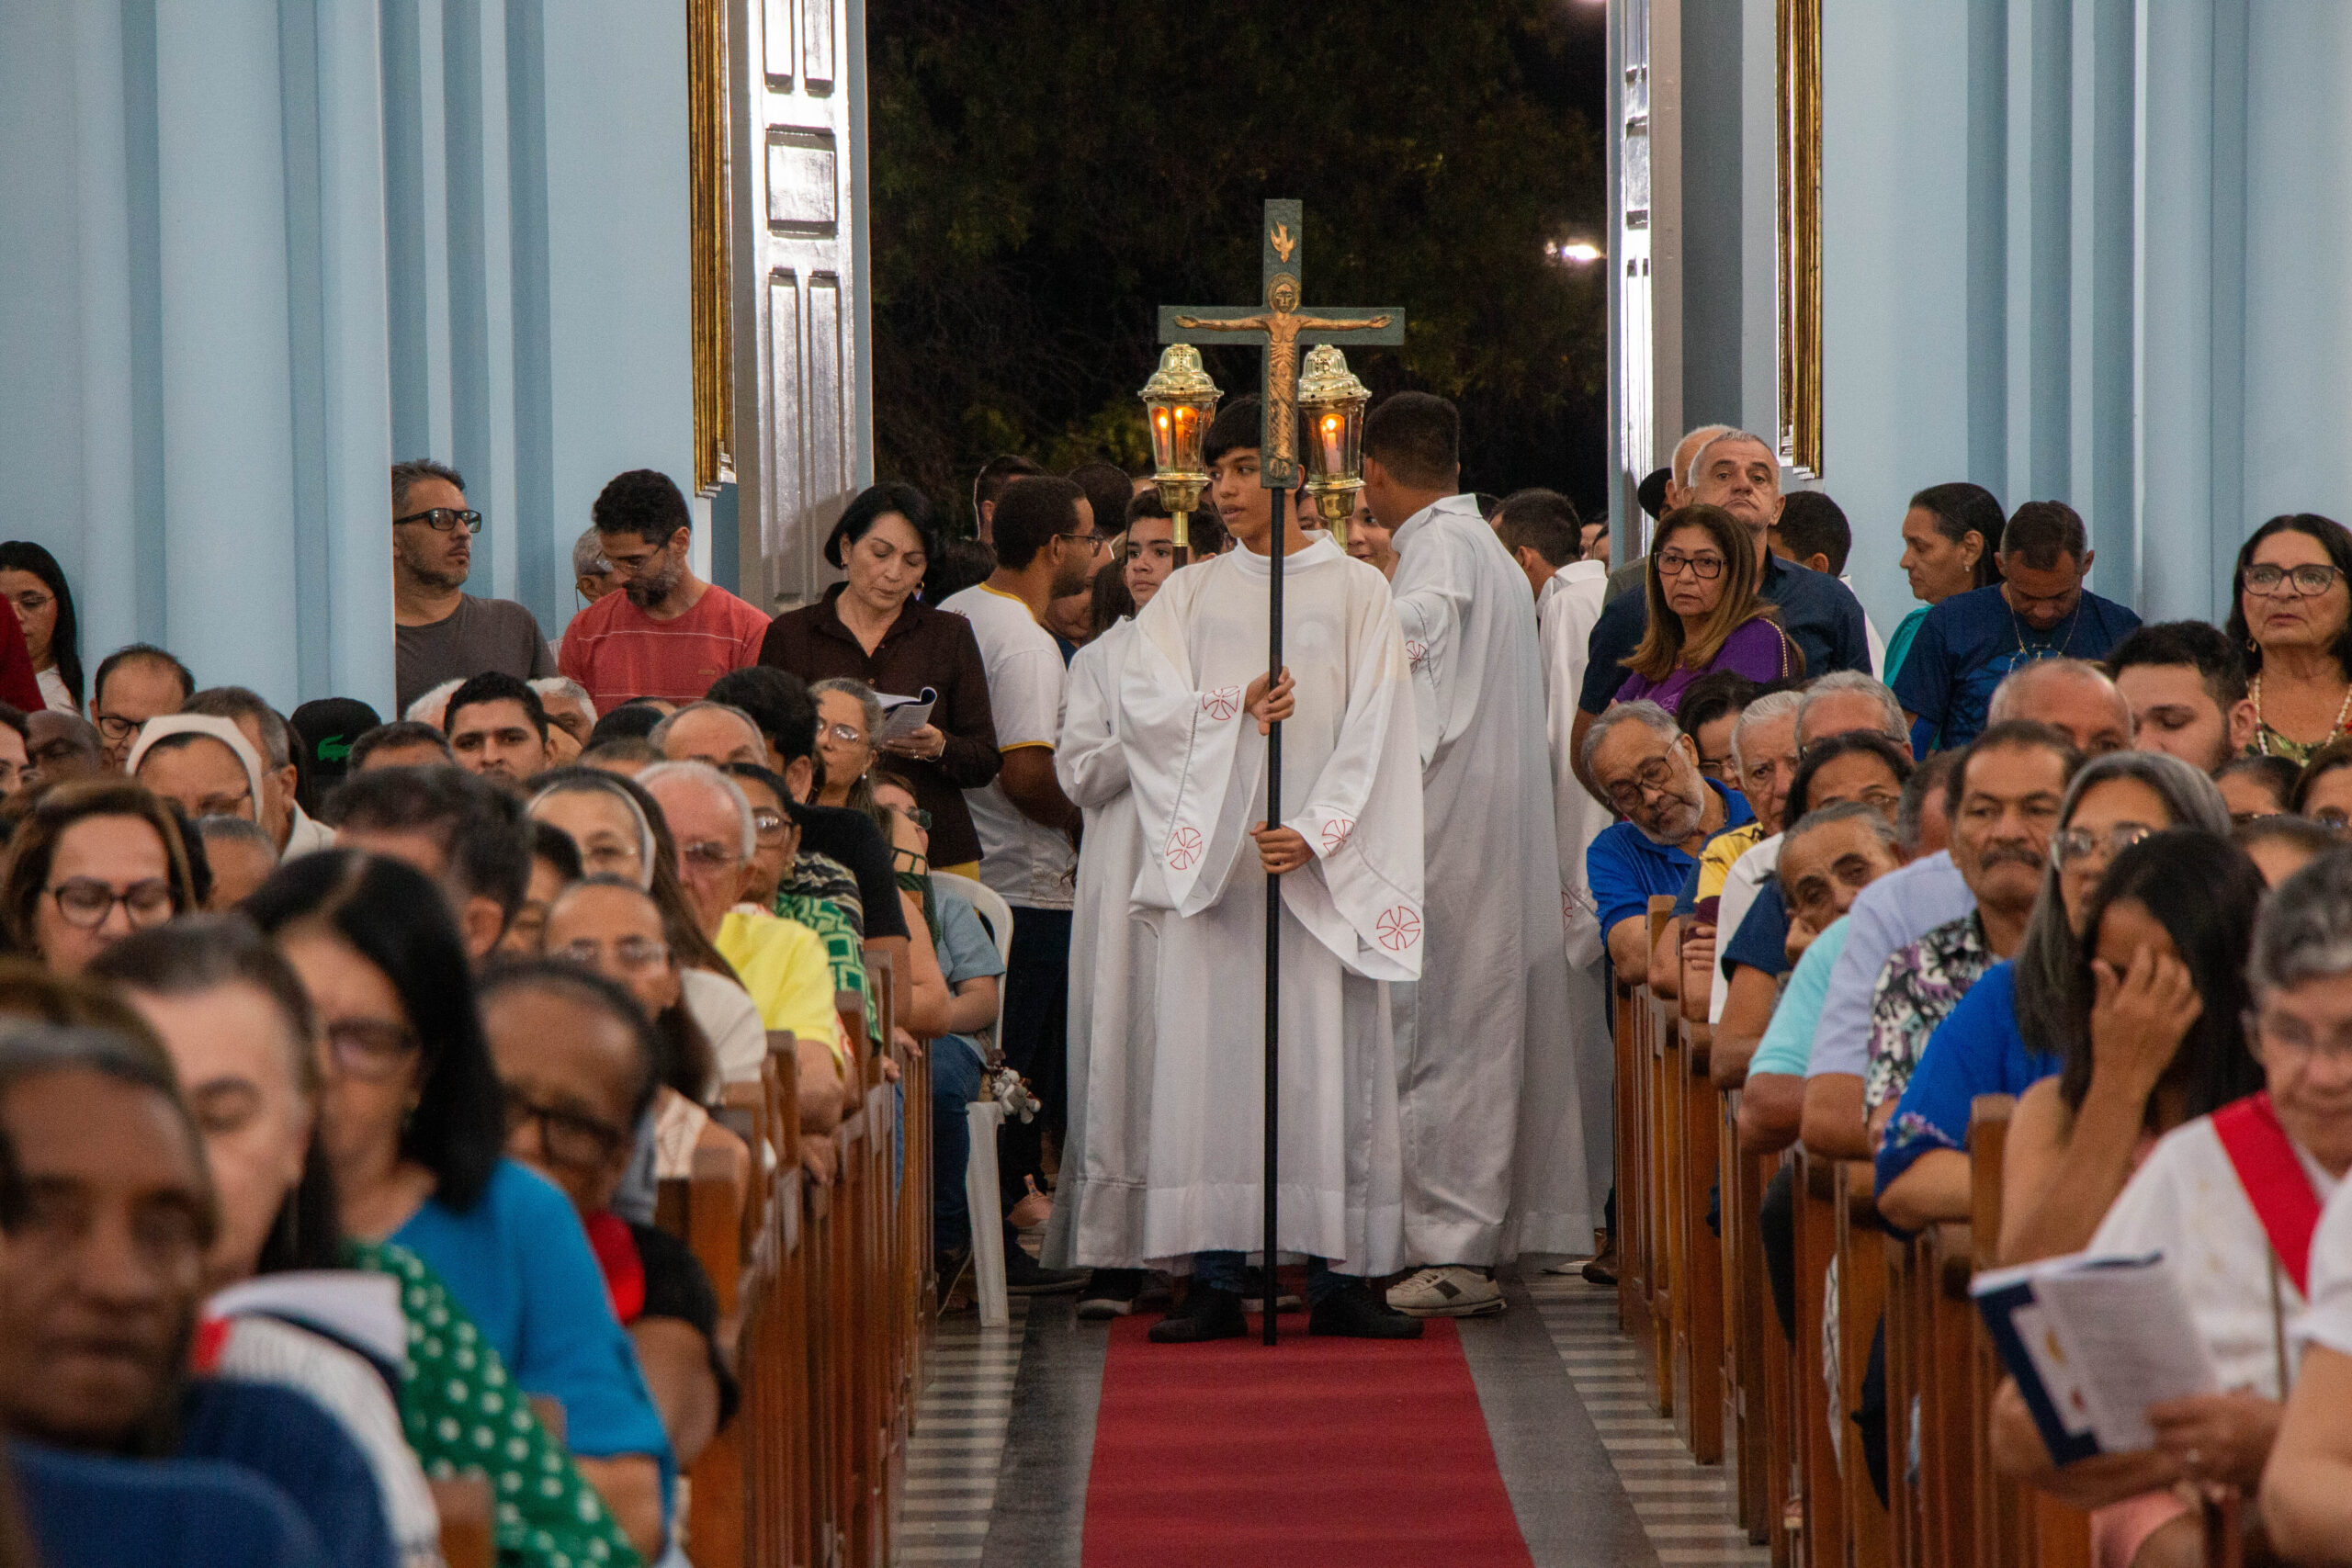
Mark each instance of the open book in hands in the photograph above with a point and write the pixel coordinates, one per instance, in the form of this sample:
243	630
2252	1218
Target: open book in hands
2093	1342
901	716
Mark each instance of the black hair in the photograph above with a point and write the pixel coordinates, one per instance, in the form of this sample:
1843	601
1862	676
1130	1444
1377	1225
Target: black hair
1108	598
988	485
552	844
585	985
959	564
1028	515
2332	537
2302	832
142	653
1821	753
870	506
479	825
400	733
406	475
1960	509
1813	525
2009	732
2192	643
2277	774
1417	437
1712	696
395	918
2040	532
13	717
779	703
1108	488
2334	757
495	686
633	720
1238	426
766	778
2205	892
643	501
1543	521
65	641
203	953
1651	492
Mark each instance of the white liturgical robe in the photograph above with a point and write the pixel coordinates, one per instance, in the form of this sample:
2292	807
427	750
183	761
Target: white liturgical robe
1098	1203
1351	919
1493	992
1547	1200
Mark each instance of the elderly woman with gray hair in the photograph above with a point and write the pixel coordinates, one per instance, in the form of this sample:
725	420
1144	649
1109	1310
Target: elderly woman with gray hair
2012	1029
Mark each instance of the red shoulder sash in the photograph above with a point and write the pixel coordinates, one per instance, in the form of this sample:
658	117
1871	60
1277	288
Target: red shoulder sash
616	1254
2275	1180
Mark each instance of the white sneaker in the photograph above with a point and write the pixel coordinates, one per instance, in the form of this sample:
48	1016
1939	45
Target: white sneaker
1455	1291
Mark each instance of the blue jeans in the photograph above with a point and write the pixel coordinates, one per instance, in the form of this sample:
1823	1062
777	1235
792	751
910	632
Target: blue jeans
954	1084
1224	1271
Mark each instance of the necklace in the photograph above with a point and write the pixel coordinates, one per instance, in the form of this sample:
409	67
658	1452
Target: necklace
2263	732
2016	628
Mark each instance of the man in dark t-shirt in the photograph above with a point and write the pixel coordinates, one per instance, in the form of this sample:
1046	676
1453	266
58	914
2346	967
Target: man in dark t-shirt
440	633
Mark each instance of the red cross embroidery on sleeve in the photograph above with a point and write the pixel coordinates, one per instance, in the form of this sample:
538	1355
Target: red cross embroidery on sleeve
1222	703
1183	848
1416	653
1400	927
1336	832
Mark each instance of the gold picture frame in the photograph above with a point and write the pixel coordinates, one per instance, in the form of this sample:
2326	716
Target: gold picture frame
1798	80
707	166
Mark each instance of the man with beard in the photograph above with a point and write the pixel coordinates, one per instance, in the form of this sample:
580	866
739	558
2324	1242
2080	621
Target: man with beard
1648	769
1047	546
440	633
667	633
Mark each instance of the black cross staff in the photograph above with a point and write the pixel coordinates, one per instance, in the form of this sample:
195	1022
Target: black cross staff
1278	327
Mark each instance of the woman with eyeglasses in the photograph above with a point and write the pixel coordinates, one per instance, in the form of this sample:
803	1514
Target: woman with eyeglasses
849	716
1705	612
96	860
411	1124
2149	1166
32	580
2291	617
2011	1030
873	629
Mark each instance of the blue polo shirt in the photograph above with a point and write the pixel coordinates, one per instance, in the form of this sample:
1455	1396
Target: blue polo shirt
1820	614
1625	867
1968	644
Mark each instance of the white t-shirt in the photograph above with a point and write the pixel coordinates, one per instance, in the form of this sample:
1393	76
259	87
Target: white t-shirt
2329	1320
730	1020
1028	864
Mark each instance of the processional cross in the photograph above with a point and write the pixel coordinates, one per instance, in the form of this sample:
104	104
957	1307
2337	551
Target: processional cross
1279	328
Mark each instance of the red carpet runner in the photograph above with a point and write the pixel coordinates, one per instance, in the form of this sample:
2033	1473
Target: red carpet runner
1316	1451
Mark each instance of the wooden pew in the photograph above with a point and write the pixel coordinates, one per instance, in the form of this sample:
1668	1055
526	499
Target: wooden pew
1698	1274
1746	1319
1632	1173
1861	1302
1820	1422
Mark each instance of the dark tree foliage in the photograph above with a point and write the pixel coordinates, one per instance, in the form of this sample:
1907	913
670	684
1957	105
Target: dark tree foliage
1046	174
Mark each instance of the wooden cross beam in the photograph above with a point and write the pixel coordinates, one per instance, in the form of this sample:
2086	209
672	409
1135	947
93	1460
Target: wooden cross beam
1279	328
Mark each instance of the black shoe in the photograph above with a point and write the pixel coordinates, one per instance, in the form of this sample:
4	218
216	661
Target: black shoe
1253	1293
951	1266
1024	1276
1111	1293
1352	1312
1207	1314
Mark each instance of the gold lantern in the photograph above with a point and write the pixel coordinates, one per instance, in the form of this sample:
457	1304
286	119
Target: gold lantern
1178	402
1333	401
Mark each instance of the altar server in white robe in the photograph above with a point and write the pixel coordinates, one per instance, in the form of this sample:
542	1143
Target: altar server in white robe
1493	991
1098	1206
1552	1198
1194	706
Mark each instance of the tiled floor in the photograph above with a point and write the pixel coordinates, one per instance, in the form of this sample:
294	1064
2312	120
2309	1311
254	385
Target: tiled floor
997	1467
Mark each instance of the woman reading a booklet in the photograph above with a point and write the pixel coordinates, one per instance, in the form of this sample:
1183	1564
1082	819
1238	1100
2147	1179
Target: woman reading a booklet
2232	1199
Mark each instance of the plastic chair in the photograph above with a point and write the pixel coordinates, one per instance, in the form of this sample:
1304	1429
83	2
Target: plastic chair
982	1195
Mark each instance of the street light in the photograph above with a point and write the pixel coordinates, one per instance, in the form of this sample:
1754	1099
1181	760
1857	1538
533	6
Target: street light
1333	401
1178	402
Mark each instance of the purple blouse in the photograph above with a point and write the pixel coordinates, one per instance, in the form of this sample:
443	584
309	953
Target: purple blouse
1756	651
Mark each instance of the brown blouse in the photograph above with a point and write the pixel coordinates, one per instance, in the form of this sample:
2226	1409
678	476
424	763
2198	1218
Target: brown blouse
924	647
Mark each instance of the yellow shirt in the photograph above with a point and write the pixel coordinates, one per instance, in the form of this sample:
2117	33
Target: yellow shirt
783	965
1716	862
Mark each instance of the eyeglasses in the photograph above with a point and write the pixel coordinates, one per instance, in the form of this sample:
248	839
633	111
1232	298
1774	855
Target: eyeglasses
2292	1041
370	1049
2307	581
86	902
32	601
848	735
2077	843
441	519
1717	768
114	727
710	854
631	954
914	814
1094	542
1656	776
569	1137
767	825
1706	568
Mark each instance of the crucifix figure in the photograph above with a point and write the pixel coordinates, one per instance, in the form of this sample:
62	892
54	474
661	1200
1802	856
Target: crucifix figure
1279	327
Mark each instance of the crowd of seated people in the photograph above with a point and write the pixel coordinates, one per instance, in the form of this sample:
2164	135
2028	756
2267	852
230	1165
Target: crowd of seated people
2113	884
